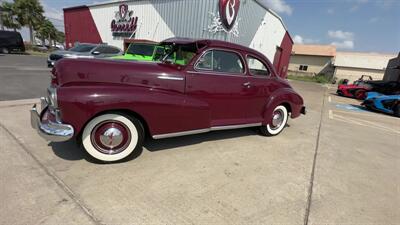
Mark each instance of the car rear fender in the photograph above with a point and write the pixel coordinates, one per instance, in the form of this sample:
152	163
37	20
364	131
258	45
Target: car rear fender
284	96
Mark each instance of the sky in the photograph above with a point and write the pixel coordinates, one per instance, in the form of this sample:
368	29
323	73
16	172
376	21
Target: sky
350	25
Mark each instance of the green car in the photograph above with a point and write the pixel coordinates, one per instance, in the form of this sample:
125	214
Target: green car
153	52
139	52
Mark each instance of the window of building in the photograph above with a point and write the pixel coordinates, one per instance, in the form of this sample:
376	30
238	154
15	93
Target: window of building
303	67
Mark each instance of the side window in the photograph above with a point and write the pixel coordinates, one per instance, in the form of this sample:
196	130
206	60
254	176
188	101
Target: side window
206	61
221	61
107	50
256	67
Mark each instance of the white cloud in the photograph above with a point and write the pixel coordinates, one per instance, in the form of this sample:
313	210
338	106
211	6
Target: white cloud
342	39
279	6
298	39
342	35
344	44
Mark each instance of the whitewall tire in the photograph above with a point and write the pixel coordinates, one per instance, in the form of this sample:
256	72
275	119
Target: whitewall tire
112	137
278	122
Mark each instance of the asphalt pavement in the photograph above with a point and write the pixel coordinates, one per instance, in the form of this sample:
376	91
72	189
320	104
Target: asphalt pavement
23	76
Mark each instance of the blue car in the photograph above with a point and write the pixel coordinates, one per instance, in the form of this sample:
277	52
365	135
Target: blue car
384	103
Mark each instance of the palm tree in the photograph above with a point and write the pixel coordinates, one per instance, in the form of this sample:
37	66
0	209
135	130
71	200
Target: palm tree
29	13
8	16
45	31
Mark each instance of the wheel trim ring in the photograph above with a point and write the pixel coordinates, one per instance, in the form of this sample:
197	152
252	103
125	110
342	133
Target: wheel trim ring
101	128
277	119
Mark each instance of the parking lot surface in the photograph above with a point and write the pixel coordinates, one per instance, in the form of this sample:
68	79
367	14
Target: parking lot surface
23	76
339	164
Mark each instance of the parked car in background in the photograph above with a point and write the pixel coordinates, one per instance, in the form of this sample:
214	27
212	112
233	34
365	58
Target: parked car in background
84	50
110	105
383	103
141	50
11	41
356	90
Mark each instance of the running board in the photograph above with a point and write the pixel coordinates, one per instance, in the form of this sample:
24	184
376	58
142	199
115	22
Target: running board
199	131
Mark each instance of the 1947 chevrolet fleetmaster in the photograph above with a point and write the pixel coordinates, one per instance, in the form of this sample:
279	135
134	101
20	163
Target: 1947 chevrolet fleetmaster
110	105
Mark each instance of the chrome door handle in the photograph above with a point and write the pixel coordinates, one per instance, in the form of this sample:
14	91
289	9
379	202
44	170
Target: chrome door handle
247	84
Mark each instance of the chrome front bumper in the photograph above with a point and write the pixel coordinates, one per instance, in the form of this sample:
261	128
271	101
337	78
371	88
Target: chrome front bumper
50	130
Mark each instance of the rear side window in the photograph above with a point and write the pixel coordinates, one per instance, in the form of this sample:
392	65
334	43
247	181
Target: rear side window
107	50
256	67
221	61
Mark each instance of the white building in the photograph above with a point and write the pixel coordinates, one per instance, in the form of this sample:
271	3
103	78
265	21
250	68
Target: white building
352	65
246	22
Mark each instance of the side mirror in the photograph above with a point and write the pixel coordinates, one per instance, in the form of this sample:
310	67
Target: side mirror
96	53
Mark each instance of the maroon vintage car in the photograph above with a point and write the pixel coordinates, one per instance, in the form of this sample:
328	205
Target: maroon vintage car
198	86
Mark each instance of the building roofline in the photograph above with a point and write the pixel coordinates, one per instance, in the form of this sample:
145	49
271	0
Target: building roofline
367	53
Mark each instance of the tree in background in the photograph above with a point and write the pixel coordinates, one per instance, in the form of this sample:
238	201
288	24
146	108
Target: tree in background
60	37
8	16
45	30
29	13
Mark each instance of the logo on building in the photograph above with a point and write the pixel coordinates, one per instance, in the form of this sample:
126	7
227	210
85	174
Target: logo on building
124	24
228	10
226	19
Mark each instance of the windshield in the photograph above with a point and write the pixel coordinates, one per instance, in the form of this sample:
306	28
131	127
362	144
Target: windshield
179	54
82	48
140	49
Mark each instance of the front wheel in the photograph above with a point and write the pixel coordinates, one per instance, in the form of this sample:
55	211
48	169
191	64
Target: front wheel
112	137
278	122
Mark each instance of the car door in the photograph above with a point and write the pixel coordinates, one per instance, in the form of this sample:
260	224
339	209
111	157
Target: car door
218	79
260	87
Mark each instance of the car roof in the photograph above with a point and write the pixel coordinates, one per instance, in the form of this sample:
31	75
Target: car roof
213	43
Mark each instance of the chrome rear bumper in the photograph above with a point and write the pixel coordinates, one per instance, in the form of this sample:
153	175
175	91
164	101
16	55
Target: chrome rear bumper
50	130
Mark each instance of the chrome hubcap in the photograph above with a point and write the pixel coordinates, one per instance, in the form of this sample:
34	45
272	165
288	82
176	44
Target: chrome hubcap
111	138
277	119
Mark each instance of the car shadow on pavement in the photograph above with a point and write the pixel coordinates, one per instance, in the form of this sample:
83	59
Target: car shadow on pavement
71	150
68	150
170	143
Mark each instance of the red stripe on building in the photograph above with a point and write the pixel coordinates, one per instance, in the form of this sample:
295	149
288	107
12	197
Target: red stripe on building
80	26
282	55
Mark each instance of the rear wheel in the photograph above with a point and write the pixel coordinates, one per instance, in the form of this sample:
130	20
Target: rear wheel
112	137
360	94
278	122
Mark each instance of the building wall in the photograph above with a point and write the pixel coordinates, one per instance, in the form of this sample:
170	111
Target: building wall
354	73
258	28
316	64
